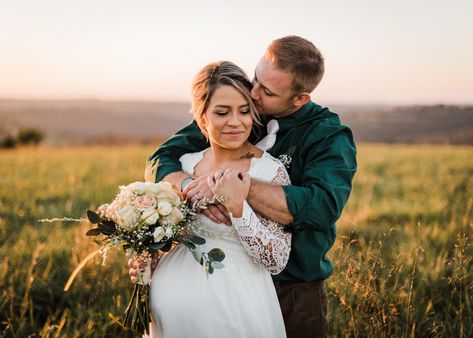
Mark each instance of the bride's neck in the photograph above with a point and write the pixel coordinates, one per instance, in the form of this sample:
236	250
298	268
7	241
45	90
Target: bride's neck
221	156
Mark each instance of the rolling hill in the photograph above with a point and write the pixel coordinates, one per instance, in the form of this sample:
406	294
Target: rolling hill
95	121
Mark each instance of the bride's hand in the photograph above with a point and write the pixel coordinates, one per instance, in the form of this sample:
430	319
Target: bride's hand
234	186
198	189
133	265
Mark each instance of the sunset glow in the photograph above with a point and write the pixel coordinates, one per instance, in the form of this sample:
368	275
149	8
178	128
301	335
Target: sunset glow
376	52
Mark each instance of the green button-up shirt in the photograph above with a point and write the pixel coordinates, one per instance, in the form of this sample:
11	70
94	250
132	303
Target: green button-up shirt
322	164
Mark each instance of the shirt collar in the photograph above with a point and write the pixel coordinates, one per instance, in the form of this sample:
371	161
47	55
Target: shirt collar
287	122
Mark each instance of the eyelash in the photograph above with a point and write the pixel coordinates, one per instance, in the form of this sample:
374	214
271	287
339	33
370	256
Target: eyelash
254	81
223	113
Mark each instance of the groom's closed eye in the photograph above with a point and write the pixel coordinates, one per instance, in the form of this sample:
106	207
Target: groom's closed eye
266	91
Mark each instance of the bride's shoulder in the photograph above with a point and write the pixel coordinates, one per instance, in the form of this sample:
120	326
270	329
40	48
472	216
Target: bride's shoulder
190	160
266	167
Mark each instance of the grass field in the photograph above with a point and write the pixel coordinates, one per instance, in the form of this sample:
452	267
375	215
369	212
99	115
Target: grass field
403	256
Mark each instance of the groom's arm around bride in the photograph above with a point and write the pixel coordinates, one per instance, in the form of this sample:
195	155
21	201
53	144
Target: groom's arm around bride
320	157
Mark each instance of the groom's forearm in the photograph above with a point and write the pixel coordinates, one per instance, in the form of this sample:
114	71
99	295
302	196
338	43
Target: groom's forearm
176	178
269	200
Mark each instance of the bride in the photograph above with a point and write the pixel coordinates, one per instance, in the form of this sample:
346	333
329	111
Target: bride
238	300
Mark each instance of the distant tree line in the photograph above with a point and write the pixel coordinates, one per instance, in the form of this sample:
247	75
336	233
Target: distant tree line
27	136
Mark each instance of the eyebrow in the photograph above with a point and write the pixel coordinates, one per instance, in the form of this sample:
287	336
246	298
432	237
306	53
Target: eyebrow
225	106
264	87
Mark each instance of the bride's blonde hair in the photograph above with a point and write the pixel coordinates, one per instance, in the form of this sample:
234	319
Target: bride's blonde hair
212	76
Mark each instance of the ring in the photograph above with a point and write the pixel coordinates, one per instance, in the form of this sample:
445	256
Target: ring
196	195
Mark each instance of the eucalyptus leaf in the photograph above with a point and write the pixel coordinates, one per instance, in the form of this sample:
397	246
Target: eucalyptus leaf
197	256
166	247
216	255
217	265
158	246
190	245
198	240
93	232
93	217
107	227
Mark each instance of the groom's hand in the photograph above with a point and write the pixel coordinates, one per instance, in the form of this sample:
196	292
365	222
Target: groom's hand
198	189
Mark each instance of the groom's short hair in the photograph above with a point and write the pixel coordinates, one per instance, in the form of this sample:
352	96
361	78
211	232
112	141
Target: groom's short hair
299	57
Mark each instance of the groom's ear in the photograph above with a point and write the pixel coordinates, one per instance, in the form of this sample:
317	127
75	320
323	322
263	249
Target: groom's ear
301	99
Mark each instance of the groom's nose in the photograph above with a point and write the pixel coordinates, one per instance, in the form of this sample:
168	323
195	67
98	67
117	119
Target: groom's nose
255	92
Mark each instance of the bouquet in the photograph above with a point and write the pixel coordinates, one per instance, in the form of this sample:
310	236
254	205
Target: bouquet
145	218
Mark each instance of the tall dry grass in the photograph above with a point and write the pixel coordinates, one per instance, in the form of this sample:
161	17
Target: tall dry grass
403	255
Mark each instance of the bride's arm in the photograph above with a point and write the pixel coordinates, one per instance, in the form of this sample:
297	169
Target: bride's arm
265	240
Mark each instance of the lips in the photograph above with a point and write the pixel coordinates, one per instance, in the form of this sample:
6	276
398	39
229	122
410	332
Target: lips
234	133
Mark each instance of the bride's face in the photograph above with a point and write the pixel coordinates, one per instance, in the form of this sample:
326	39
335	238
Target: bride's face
228	119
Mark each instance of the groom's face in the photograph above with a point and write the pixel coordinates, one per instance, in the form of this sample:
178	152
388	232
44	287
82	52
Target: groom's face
272	89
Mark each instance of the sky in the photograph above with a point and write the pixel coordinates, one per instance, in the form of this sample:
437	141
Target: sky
382	52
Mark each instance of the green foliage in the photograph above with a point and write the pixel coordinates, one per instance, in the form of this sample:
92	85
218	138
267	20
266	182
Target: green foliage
403	256
8	142
30	136
27	136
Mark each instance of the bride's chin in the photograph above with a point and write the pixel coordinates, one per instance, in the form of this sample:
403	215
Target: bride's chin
227	146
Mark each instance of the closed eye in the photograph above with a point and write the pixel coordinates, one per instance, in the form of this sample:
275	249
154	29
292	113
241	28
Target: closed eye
268	93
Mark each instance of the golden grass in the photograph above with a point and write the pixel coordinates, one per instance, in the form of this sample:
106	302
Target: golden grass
403	256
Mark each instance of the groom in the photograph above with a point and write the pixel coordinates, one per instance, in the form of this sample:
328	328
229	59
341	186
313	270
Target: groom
320	157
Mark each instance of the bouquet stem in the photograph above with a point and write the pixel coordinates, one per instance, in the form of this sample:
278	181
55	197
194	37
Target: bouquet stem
138	314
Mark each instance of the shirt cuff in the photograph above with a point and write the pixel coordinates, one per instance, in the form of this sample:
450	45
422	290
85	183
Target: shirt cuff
295	198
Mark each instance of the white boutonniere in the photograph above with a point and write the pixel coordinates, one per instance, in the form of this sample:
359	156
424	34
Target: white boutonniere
285	160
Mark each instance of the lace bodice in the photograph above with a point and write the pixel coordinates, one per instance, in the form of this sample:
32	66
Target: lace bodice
264	240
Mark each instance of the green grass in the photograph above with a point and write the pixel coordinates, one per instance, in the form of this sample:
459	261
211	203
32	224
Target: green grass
403	255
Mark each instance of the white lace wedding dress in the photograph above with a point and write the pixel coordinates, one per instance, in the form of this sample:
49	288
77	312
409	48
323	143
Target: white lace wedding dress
238	300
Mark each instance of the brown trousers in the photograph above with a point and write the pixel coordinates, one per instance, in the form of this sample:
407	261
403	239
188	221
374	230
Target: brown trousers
304	308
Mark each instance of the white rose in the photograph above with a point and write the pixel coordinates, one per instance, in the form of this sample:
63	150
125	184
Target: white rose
173	218
145	201
158	234
128	217
172	197
164	208
169	232
152	187
138	188
150	216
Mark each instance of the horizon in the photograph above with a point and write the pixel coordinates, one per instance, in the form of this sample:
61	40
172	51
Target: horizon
151	101
402	53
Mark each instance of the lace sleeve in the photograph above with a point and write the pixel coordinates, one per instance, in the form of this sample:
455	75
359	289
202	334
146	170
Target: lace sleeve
265	240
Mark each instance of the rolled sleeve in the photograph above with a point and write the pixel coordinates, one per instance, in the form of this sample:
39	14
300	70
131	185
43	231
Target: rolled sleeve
325	184
187	140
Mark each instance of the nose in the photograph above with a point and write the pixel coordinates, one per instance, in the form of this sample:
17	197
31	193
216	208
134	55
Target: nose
234	120
255	92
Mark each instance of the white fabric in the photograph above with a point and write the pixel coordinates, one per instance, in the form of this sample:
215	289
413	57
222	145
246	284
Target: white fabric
268	141
238	300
